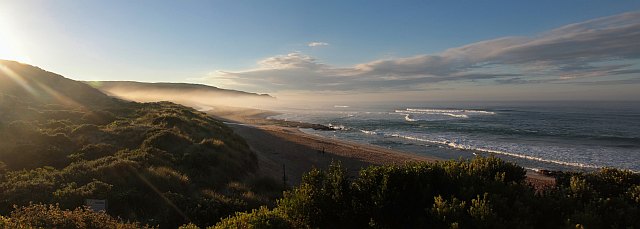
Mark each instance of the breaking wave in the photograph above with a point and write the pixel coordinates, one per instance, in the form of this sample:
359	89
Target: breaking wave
411	112
409	118
370	132
450	111
511	154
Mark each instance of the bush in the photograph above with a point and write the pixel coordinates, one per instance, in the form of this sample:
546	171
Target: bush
480	193
51	216
260	218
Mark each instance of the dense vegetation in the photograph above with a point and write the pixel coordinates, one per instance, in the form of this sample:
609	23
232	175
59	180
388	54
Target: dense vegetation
482	193
158	163
51	216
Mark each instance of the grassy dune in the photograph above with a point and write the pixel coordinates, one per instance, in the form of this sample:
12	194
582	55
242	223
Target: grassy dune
156	163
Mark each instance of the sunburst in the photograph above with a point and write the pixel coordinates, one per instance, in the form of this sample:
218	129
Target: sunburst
11	47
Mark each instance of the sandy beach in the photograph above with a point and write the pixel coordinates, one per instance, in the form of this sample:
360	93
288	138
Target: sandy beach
291	152
299	152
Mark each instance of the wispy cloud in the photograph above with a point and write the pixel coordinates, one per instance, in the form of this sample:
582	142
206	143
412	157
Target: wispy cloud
600	48
317	44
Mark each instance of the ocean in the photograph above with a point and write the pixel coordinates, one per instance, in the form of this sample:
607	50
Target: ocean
566	136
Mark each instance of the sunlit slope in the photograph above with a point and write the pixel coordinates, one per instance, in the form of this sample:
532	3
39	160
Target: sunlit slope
63	141
32	84
194	95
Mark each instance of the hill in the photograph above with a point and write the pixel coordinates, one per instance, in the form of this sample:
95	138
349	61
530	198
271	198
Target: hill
34	85
194	95
156	163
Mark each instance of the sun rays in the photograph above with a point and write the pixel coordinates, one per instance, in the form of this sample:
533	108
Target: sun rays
18	79
37	89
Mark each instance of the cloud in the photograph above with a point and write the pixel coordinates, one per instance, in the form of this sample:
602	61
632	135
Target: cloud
599	48
611	82
317	44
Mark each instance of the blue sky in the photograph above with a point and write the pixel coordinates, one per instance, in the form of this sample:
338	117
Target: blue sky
368	47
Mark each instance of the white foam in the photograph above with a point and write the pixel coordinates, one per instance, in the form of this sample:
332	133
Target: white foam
434	110
409	118
447	111
432	113
456	115
338	127
340	106
480	112
369	132
467	147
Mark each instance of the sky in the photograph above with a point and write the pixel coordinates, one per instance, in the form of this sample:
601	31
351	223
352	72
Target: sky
340	50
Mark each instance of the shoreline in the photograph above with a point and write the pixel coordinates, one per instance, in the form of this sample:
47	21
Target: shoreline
282	145
288	151
299	152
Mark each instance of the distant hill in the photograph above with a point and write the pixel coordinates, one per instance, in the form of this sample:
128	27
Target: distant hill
194	95
32	84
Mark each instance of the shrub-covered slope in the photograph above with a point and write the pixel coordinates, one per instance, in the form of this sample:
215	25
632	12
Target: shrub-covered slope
63	141
482	193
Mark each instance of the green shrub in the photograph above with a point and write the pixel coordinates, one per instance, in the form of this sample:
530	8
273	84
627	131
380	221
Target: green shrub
51	216
480	193
257	218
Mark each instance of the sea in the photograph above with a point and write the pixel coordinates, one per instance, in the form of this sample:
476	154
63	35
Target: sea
565	136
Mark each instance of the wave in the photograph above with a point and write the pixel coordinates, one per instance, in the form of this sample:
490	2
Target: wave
511	154
433	113
451	111
338	126
480	112
434	110
455	113
340	106
409	118
371	132
544	134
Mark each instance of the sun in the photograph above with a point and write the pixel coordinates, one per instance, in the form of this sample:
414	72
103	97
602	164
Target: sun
7	53
10	46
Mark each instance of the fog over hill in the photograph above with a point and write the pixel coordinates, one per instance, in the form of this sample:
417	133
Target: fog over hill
199	96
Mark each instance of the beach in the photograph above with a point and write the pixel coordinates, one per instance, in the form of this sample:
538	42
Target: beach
284	150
